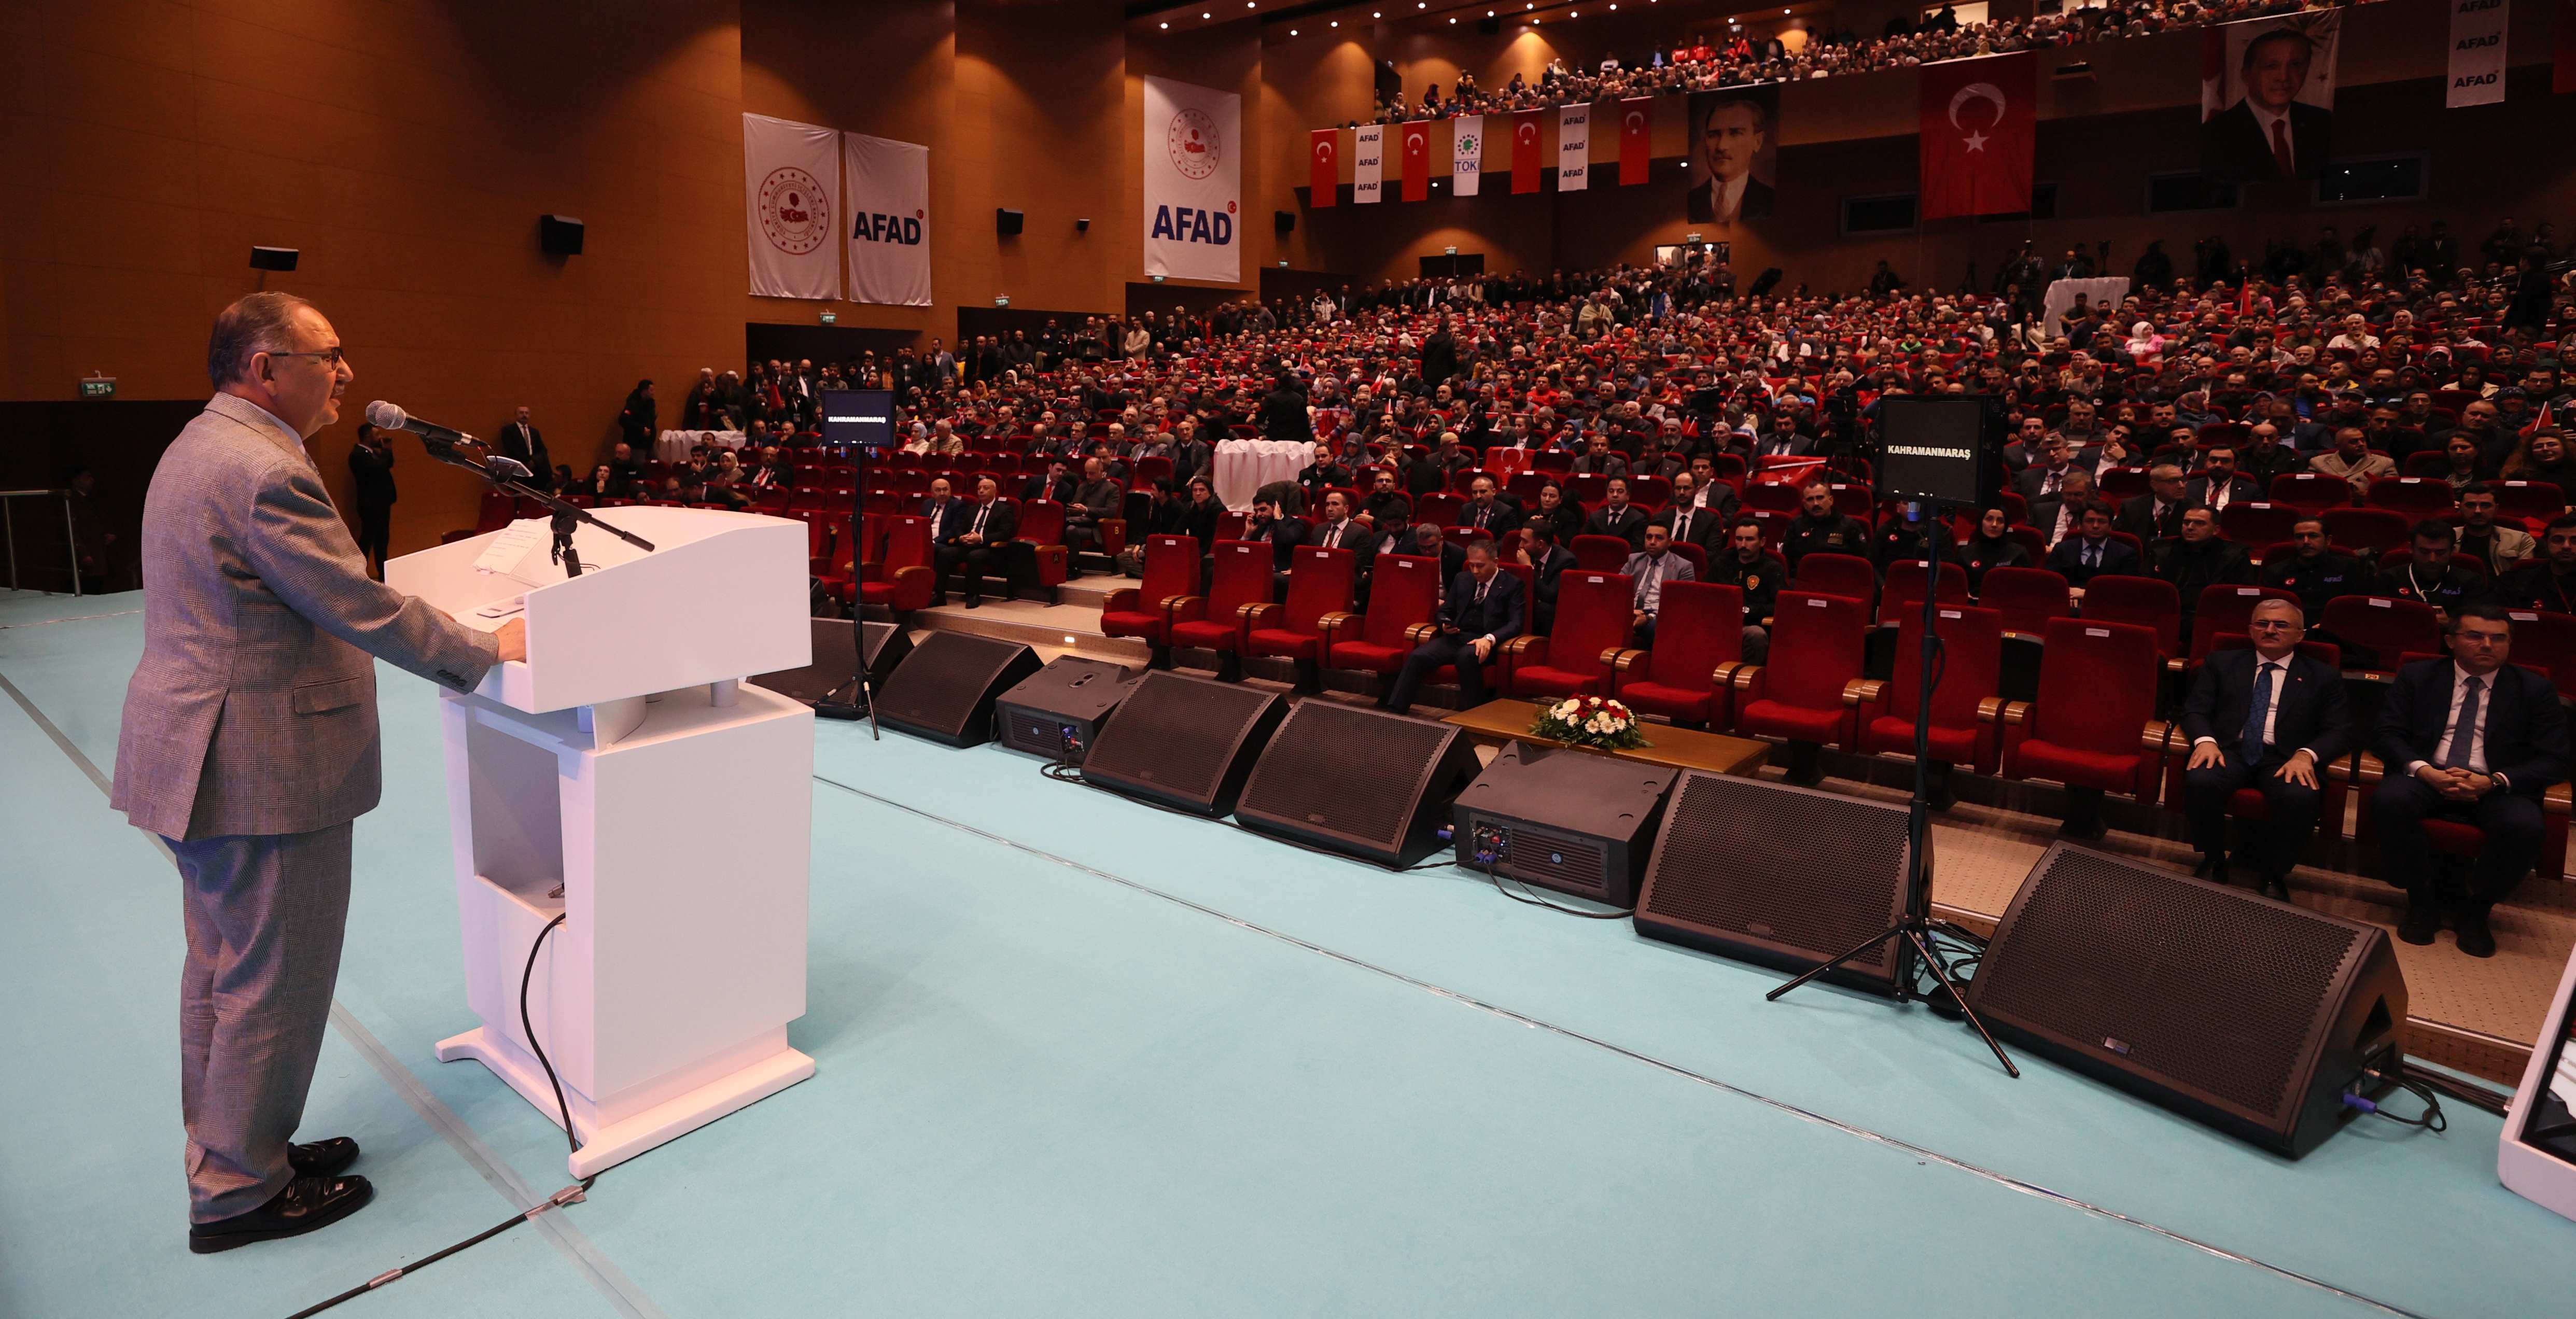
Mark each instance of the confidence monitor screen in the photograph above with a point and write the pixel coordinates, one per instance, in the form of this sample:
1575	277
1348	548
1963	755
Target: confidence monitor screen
862	418
1934	448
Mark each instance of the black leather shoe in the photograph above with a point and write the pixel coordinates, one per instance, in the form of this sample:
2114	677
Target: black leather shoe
322	1158
2274	886
2090	831
974	602
2213	866
2475	938
307	1204
2422	921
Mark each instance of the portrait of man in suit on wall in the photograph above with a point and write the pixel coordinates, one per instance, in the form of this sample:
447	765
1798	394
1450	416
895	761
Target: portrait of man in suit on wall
1732	155
2279	124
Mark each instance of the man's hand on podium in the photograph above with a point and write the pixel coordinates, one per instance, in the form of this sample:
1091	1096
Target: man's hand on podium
513	637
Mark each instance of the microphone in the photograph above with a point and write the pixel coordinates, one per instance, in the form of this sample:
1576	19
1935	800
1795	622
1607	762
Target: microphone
385	416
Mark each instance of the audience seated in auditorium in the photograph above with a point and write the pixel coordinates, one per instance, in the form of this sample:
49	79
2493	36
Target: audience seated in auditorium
1481	608
1648	569
2267	718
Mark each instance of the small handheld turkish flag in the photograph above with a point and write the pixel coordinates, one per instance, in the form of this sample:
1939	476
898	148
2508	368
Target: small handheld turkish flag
1525	152
1417	161
1979	129
1324	167
1636	140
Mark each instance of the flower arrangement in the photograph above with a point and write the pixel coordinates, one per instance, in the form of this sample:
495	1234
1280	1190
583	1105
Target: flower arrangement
1589	721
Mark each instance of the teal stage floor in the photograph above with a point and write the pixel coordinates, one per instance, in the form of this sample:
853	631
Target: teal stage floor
1080	1057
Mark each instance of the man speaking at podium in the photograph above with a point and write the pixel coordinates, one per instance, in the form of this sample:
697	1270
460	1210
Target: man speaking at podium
250	744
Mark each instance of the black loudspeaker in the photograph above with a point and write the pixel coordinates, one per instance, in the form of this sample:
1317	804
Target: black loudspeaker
1489	25
274	258
559	235
831	683
1005	221
2250	1015
1057	711
1310	782
1763	285
1186	742
1568	820
1284	221
944	690
1788	877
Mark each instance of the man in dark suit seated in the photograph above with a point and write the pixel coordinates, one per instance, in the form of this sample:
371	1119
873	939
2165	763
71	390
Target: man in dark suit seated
2269	135
1058	484
2472	739
1686	520
1647	571
2268	718
1483	608
1617	517
2157	514
1822	528
2091	552
2218	485
1322	474
974	544
1547	561
2197	560
946	513
1284	535
1487	508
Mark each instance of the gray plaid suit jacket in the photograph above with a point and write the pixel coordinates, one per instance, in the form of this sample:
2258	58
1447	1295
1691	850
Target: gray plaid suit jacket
253	710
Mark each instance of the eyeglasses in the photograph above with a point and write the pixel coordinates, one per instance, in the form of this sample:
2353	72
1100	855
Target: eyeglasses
330	356
2274	625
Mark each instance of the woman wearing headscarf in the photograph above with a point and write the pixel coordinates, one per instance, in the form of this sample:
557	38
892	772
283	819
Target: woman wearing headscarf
2144	343
1992	547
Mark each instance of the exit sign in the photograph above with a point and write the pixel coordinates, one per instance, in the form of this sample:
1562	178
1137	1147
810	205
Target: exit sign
831	316
98	387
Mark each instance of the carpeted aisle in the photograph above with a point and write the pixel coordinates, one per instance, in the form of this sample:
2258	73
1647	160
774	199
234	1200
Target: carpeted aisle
1194	1072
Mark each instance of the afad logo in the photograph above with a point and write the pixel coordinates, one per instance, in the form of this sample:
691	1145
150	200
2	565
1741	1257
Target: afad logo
876	228
1186	224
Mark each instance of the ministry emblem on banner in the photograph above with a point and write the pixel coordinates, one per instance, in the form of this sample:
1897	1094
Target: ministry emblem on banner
1194	144
795	213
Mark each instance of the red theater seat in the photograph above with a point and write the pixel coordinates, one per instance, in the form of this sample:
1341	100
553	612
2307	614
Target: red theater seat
1816	645
1319	583
1404	592
1593	612
2097	686
1966	717
902	581
1689	674
1215	621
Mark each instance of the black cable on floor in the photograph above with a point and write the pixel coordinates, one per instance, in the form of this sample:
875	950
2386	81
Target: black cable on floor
1531	896
568	1195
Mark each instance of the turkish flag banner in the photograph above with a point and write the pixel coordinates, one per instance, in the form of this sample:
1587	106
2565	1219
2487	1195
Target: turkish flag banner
1636	140
1980	124
1525	151
1324	167
1417	161
2562	73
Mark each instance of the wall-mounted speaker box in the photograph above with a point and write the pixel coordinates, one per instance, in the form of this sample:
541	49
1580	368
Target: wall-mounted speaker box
559	235
2250	1015
1303	786
1005	221
830	683
1184	741
274	258
1567	820
1787	877
1284	221
1057	711
944	690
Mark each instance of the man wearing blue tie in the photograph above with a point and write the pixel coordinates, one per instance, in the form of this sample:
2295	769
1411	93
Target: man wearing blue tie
2472	739
2267	718
1482	609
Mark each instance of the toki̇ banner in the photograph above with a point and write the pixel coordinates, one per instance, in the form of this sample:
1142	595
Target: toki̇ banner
1526	155
1193	148
2477	53
1368	158
1416	136
888	188
1466	154
1573	148
1323	167
790	178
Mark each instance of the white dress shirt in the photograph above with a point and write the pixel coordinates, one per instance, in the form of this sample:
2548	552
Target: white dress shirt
2477	756
2280	671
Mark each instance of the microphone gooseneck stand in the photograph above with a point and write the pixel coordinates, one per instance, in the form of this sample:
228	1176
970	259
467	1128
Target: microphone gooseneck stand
504	473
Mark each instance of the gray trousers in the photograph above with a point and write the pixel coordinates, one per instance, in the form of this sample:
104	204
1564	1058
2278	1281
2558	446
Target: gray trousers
265	913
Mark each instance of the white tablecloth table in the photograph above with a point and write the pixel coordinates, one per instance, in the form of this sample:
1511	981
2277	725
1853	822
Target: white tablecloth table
674	446
2103	292
1244	466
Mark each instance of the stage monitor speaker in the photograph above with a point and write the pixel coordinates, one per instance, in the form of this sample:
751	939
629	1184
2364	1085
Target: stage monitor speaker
1005	220
559	235
945	689
1303	786
1184	741
2247	1014
1567	820
831	682
1057	711
1788	877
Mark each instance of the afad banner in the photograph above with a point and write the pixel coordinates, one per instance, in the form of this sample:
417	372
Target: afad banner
2477	53
888	186
1573	147
1193	149
790	178
1368	160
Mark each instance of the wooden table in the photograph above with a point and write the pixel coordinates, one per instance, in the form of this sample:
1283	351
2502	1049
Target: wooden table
1509	720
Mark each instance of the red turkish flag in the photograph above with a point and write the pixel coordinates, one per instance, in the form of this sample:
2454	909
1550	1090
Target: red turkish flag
1324	172
2562	76
1636	140
1980	121
1525	151
1417	161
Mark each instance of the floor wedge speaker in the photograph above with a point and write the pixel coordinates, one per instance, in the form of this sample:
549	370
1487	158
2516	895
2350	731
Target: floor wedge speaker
2247	1014
944	690
1788	877
833	678
1306	785
1057	711
1568	820
1184	741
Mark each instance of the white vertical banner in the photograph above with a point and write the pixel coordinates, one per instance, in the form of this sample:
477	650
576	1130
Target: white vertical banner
1573	148
790	176
1368	161
2477	52
1193	155
1466	154
888	189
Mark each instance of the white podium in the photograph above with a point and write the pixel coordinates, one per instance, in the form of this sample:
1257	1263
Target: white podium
624	778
